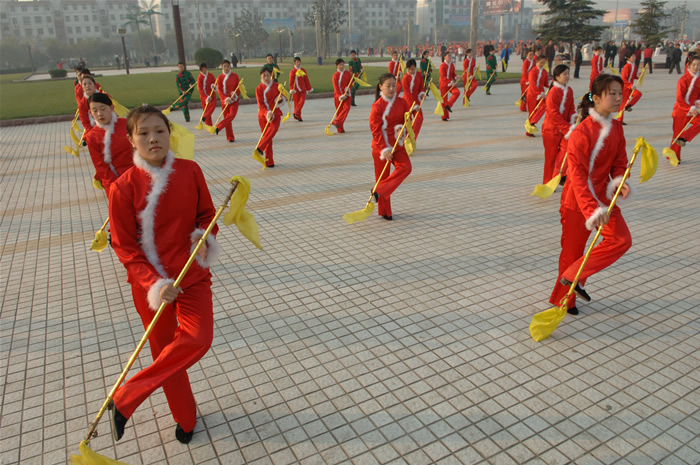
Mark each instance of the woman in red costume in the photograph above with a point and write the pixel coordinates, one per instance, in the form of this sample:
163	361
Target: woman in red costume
448	85
528	64
266	94
629	75
158	212
687	106
206	82
596	163
341	92
538	83
469	69
386	119
108	142
413	92
559	122
229	94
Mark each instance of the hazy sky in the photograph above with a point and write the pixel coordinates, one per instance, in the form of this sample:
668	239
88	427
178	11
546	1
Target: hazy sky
610	4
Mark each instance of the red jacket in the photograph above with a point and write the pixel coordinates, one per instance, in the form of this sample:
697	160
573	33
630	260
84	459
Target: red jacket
597	160
266	96
629	74
341	81
225	85
300	84
596	66
469	66
527	67
386	117
205	83
561	110
413	88
110	150
395	68
687	93
538	81
154	213
447	73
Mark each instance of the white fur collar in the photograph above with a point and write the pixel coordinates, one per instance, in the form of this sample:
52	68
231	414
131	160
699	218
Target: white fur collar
267	89
690	86
385	123
340	79
159	180
605	126
107	142
565	92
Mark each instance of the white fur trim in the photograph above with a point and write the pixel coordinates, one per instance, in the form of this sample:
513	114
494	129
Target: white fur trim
340	80
605	126
385	123
413	80
397	130
159	181
690	87
282	105
153	295
598	213
213	248
223	81
565	94
385	152
107	141
269	86
612	188
539	78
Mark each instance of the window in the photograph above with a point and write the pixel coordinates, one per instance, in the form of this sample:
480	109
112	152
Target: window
51	30
24	9
86	17
69	30
27	32
71	41
94	17
25	20
78	30
49	19
40	31
87	28
76	19
37	19
67	18
14	20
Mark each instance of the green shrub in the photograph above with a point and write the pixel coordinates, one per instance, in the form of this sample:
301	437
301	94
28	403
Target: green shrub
209	56
58	73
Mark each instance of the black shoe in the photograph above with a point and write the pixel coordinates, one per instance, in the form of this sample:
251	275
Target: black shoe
375	196
217	131
295	116
572	311
182	436
624	124
84	143
117	420
628	108
562	181
578	289
300	120
353	104
447	108
232	141
387	217
270	166
681	142
445	119
187	120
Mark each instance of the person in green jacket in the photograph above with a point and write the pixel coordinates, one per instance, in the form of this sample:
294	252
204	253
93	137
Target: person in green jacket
272	67
356	69
184	81
491	66
426	68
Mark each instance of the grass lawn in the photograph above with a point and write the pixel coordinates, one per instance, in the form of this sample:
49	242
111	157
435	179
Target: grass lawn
48	98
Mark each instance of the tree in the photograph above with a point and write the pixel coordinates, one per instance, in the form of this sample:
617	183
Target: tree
135	17
569	21
249	26
677	19
149	10
331	16
210	56
649	22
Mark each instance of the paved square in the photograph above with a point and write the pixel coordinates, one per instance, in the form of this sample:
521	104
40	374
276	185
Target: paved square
379	342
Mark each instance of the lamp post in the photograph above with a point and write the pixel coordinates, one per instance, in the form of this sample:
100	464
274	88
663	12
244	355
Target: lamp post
177	25
318	39
122	33
279	36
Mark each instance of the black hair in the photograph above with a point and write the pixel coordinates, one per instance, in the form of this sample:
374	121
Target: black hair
339	61
382	79
265	70
353	51
410	63
559	69
100	98
468	51
135	115
182	63
297	59
225	61
269	55
87	76
424	54
600	85
541	57
203	65
78	69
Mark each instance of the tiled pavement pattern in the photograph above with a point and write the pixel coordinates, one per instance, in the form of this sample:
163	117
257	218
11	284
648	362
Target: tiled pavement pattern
379	342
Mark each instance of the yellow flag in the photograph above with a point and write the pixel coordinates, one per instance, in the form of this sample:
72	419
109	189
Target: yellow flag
402	64
244	92
410	141
97	184
181	141
478	74
612	70
364	75
650	160
300	73
120	109
88	457
438	109
641	76
282	90
544	323
244	220
362	83
435	91
74	137
75	126
276	72
546	66
287	116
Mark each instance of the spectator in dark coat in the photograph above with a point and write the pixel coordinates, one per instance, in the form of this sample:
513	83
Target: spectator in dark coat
676	56
578	59
550	51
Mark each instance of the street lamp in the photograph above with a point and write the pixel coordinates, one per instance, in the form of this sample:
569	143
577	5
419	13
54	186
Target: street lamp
122	32
279	36
177	25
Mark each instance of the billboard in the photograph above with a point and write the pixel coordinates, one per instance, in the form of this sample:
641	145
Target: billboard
275	24
500	7
459	20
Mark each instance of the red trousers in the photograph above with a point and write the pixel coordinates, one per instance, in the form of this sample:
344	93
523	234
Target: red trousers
181	337
229	115
342	114
417	122
625	97
552	144
265	145
299	99
450	97
535	115
390	182
616	241
472	87
208	110
680	119
523	100
399	87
